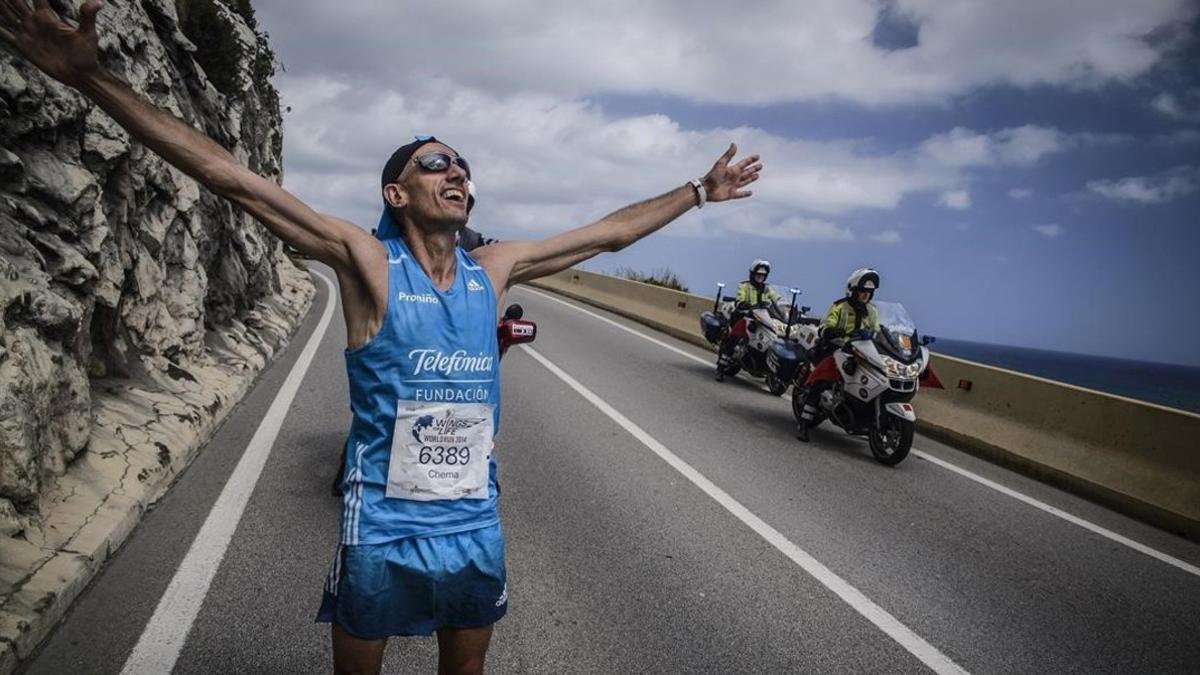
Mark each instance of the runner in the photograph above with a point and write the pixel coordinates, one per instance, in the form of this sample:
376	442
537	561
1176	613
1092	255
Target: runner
421	548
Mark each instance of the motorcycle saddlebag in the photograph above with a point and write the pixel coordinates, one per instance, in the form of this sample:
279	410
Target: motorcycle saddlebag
788	355
713	326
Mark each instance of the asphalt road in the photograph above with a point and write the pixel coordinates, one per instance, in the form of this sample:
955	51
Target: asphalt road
744	551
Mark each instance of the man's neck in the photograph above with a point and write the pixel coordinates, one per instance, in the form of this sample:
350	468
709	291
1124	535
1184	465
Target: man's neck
434	252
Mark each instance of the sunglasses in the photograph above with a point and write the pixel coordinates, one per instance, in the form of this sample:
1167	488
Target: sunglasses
440	161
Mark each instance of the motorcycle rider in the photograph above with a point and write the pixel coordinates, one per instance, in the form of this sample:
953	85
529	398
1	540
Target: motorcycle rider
753	292
847	317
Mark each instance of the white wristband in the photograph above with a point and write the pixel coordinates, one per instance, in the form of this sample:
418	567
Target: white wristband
701	194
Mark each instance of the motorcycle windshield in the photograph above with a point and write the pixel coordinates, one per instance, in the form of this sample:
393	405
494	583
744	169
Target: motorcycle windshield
898	331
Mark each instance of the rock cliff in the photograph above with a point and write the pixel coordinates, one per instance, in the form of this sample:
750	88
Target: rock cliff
134	304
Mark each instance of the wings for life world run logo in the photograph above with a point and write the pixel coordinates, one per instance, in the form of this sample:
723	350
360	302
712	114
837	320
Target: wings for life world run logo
442	429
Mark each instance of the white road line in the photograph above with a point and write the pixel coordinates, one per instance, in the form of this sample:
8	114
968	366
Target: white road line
915	644
627	329
623	327
161	642
1087	525
1059	513
709	363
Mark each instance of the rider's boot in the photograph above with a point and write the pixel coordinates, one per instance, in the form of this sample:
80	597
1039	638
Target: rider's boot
802	431
806	417
722	362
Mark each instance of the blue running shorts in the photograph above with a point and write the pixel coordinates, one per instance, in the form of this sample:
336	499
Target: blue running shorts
416	585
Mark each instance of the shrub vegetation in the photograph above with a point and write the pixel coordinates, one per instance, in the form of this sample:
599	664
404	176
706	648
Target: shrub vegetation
664	277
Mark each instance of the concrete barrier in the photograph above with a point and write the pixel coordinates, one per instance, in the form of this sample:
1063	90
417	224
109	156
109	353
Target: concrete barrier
1138	458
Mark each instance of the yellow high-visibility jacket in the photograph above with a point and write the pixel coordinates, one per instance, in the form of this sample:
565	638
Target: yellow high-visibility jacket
842	315
750	295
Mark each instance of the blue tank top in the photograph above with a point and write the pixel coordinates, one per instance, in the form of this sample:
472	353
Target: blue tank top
425	398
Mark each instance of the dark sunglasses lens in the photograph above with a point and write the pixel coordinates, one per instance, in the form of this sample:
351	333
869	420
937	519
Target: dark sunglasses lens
434	161
439	161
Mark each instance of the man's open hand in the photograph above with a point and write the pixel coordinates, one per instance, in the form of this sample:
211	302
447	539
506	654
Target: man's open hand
725	181
62	51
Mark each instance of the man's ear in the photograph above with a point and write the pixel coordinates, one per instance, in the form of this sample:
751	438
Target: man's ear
395	195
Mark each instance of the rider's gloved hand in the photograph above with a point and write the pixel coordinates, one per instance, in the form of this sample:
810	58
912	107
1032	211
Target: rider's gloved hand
832	333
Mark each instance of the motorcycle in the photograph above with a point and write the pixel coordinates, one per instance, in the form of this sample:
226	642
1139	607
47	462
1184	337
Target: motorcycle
512	330
767	339
867	386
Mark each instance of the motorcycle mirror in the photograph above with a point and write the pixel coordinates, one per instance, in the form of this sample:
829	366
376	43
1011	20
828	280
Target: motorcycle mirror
514	312
794	291
720	285
927	340
805	310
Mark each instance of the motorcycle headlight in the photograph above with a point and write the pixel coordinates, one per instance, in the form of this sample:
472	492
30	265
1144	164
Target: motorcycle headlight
892	367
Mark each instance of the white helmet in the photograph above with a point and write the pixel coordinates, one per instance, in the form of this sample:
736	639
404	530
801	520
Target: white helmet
760	264
865	279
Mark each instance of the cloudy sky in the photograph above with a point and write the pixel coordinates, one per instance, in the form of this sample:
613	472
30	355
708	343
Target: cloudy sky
1023	172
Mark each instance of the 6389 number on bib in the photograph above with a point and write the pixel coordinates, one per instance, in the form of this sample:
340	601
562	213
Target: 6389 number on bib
440	451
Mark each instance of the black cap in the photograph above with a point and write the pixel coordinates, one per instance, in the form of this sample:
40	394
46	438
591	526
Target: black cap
395	164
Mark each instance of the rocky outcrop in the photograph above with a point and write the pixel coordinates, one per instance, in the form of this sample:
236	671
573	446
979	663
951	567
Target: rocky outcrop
134	305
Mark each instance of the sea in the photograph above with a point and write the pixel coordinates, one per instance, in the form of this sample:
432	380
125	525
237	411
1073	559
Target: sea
1174	386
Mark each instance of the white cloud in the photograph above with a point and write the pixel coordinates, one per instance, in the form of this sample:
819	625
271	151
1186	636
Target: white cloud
543	163
800	228
1050	230
1018	146
1159	188
886	237
726	52
1020	194
517	90
1170	105
958	200
1179	136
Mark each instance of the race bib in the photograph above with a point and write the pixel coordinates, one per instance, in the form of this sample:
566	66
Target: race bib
440	451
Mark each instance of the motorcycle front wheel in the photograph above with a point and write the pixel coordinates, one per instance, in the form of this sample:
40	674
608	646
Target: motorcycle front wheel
891	443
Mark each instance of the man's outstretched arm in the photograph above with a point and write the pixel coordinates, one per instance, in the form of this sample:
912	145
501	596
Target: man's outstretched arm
511	262
68	54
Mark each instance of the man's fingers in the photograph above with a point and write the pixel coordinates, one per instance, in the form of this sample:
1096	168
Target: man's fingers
746	180
746	162
741	194
87	16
